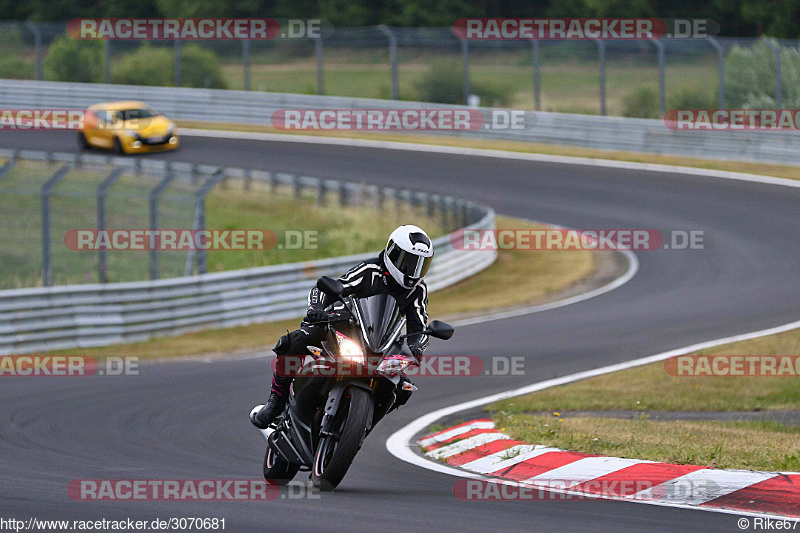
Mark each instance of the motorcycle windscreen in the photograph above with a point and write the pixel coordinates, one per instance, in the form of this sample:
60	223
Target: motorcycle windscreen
380	315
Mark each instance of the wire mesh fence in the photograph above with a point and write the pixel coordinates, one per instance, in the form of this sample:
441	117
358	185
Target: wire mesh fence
61	213
640	78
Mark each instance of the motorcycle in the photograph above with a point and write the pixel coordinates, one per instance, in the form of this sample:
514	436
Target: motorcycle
346	387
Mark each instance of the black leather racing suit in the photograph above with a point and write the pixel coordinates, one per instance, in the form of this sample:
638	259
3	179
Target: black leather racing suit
363	280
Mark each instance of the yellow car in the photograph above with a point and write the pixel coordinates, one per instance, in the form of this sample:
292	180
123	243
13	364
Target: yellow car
127	128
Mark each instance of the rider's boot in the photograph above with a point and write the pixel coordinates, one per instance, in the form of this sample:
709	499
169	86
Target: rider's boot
278	397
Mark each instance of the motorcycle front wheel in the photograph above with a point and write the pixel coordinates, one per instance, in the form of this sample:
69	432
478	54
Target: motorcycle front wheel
334	457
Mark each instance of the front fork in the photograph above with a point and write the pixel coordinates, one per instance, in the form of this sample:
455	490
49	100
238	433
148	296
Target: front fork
334	400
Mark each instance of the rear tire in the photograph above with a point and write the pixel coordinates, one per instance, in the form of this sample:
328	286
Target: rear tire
333	458
276	469
83	144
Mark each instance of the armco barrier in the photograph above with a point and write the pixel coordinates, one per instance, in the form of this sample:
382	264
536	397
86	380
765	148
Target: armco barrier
587	131
77	316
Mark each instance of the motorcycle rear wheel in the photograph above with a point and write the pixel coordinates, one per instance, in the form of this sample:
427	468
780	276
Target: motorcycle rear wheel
276	469
333	457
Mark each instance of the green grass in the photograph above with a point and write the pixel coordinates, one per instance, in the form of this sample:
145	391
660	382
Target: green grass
767	444
757	445
73	206
568	85
649	387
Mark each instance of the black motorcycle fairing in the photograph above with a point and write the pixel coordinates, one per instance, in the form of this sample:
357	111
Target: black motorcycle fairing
380	316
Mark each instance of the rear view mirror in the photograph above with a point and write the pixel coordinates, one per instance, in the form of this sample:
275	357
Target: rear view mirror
440	330
331	287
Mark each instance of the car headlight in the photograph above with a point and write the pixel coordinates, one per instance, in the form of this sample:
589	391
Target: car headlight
349	349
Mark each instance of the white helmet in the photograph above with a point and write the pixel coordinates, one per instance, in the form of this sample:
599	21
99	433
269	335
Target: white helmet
408	255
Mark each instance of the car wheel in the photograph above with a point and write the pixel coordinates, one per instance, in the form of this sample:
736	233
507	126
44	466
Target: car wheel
118	146
83	144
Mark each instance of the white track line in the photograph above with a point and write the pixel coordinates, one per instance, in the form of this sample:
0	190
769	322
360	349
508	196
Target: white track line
481	152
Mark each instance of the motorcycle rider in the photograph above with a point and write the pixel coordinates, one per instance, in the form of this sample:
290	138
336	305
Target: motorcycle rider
398	270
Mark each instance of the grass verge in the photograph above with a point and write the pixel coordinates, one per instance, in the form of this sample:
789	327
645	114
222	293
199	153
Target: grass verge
766	445
537	275
778	171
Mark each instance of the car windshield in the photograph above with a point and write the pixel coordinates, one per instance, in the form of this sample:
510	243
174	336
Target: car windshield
133	114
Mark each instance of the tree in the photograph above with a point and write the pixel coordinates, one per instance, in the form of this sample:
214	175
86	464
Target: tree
73	60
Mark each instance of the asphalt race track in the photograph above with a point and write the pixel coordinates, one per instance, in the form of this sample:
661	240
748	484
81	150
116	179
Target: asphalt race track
189	420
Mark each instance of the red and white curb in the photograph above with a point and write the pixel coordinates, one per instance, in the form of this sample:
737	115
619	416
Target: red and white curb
479	448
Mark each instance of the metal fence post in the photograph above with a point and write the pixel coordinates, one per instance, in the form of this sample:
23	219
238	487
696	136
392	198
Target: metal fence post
8	166
465	67
107	60
662	89
721	68
776	48
47	189
297	188
392	58
154	196
246	63
177	63
102	189
537	76
200	214
320	66
37	38
601	56
321	189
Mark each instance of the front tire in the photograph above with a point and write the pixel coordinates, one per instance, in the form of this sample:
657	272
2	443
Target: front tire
118	147
276	469
333	458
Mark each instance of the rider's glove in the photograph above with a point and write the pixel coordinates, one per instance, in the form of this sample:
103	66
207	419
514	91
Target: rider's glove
316	315
417	350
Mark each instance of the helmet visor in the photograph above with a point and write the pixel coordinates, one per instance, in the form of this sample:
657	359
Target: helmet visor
409	264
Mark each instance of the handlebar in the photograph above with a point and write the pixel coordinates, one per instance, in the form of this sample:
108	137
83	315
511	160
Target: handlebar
338	316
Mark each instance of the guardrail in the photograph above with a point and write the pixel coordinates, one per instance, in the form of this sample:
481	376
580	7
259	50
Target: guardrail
79	316
587	131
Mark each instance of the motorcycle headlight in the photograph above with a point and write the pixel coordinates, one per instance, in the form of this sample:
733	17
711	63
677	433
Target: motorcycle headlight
349	349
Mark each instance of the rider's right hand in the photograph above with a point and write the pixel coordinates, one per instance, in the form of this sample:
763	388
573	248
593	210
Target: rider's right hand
316	315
